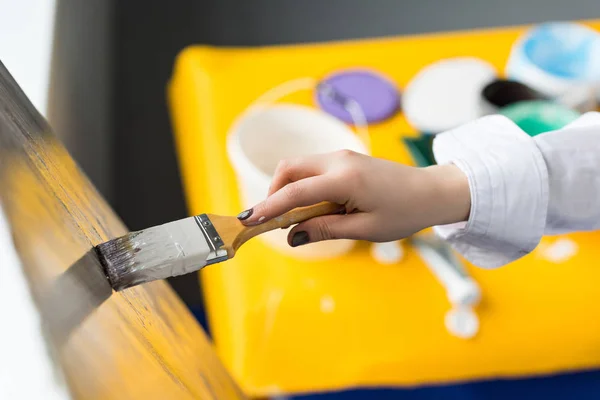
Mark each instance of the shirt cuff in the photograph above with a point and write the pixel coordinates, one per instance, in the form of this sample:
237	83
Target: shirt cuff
508	180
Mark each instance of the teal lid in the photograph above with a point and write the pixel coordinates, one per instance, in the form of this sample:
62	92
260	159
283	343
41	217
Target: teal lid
539	116
421	149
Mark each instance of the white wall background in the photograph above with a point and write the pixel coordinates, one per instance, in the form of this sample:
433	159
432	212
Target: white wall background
26	30
26	368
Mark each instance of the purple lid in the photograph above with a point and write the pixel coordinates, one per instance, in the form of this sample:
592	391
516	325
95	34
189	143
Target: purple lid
377	96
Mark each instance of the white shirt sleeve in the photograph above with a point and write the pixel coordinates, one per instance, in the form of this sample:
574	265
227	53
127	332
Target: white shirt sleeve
521	187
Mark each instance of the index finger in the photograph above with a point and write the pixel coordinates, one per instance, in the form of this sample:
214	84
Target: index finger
304	192
295	169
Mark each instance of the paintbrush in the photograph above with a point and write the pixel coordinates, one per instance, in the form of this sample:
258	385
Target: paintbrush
187	245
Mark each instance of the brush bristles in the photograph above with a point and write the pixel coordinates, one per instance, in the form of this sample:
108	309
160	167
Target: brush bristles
117	259
161	252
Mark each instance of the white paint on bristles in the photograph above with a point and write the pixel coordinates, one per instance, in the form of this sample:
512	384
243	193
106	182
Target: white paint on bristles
27	370
172	249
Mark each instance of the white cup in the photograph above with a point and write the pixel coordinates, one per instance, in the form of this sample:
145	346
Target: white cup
263	136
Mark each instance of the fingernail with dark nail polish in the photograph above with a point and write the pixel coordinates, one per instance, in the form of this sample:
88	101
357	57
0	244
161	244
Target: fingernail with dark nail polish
245	214
299	239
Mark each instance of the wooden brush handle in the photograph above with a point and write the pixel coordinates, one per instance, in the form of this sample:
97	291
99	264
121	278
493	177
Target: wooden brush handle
234	233
294	217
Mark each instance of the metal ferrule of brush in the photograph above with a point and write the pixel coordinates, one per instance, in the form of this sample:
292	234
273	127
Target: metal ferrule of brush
217	254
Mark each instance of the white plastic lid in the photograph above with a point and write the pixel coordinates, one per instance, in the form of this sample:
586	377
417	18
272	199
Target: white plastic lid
447	94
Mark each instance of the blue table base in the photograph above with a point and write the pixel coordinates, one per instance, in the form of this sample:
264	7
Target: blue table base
576	386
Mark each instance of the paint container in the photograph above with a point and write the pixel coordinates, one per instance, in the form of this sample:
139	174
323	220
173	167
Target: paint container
420	149
447	94
554	57
536	117
376	95
268	132
503	92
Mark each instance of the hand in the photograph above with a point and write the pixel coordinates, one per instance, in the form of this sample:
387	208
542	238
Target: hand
384	200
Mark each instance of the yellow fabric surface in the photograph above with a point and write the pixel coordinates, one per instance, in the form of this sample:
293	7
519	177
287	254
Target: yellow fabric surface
383	324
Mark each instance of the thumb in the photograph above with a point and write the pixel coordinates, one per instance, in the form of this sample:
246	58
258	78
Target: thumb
330	227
